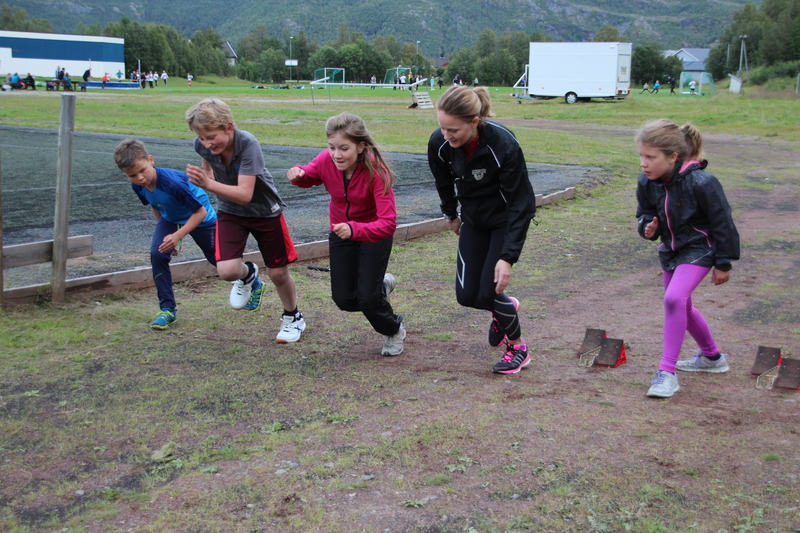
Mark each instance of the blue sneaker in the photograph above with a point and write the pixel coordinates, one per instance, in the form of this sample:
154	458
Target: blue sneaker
164	319
254	303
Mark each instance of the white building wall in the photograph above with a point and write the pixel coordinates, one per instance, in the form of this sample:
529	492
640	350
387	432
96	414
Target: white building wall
47	67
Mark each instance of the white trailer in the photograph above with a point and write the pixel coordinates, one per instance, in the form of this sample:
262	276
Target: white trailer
576	72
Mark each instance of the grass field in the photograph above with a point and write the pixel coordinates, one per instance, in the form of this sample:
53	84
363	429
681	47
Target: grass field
325	436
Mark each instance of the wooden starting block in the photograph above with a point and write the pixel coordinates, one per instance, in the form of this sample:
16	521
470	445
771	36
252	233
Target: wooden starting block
421	100
598	349
789	374
773	370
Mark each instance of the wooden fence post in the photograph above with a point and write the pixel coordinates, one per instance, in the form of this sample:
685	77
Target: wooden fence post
66	130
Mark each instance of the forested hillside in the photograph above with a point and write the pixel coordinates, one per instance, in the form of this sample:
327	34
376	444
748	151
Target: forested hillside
441	26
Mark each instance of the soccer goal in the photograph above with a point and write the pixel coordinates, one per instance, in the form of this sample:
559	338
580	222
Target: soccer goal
333	75
393	75
703	83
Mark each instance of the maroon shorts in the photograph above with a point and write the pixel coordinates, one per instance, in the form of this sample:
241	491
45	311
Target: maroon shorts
271	234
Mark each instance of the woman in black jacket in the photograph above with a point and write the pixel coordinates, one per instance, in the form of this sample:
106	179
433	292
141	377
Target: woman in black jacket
479	165
684	205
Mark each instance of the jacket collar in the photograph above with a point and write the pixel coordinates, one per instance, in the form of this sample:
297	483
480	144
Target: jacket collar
679	173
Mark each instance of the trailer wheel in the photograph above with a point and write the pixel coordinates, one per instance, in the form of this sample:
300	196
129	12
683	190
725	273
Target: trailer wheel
570	98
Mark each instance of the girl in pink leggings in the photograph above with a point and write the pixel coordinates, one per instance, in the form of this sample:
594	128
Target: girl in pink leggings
686	207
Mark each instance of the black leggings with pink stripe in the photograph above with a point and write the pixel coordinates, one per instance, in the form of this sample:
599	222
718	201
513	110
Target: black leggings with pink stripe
478	253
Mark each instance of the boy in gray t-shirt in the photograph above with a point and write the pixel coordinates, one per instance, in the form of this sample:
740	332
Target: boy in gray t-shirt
248	204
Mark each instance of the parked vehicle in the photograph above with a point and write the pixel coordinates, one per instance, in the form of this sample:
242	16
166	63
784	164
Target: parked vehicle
576	72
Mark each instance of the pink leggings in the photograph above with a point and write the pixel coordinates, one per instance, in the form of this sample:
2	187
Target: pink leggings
680	316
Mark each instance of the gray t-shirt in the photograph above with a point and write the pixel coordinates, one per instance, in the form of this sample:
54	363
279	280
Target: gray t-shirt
247	159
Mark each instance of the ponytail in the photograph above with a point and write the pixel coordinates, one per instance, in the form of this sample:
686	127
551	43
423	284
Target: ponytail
465	103
694	141
666	136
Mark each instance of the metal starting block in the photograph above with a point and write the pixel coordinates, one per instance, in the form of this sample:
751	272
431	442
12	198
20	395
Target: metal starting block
598	349
773	370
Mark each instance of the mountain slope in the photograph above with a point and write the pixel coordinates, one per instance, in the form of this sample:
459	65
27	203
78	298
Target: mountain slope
441	26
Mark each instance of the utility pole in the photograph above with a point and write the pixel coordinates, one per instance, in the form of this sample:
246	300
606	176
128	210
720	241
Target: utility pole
743	55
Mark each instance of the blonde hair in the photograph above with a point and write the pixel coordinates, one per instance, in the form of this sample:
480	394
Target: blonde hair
465	103
128	152
665	135
352	127
209	114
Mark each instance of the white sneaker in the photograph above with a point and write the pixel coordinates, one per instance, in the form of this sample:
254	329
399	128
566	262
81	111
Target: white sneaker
700	363
240	292
291	328
394	344
664	385
389	283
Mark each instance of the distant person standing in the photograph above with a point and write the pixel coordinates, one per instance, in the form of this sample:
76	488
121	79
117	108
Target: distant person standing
373	81
119	75
645	88
164	77
189	79
105	79
692	87
656	87
672	85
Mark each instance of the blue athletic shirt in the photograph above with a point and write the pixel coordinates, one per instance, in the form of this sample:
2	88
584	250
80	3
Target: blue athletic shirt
176	198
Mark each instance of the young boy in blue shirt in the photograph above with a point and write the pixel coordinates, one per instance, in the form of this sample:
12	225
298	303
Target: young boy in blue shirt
180	208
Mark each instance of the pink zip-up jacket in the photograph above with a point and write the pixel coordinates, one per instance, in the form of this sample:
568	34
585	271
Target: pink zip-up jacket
362	204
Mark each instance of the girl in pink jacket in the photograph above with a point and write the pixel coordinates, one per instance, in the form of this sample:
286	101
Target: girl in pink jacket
363	218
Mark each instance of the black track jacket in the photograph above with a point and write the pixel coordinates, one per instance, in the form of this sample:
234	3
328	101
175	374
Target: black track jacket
694	218
493	187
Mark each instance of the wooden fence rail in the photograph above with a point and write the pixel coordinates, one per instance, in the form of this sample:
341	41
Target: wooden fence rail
142	277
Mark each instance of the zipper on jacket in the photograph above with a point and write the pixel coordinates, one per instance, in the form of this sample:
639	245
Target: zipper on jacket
346	183
666	214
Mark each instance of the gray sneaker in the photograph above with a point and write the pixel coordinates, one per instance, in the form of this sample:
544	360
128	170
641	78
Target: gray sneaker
394	344
664	385
700	363
389	283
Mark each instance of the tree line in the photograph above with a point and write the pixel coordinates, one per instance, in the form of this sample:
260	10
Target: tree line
771	39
